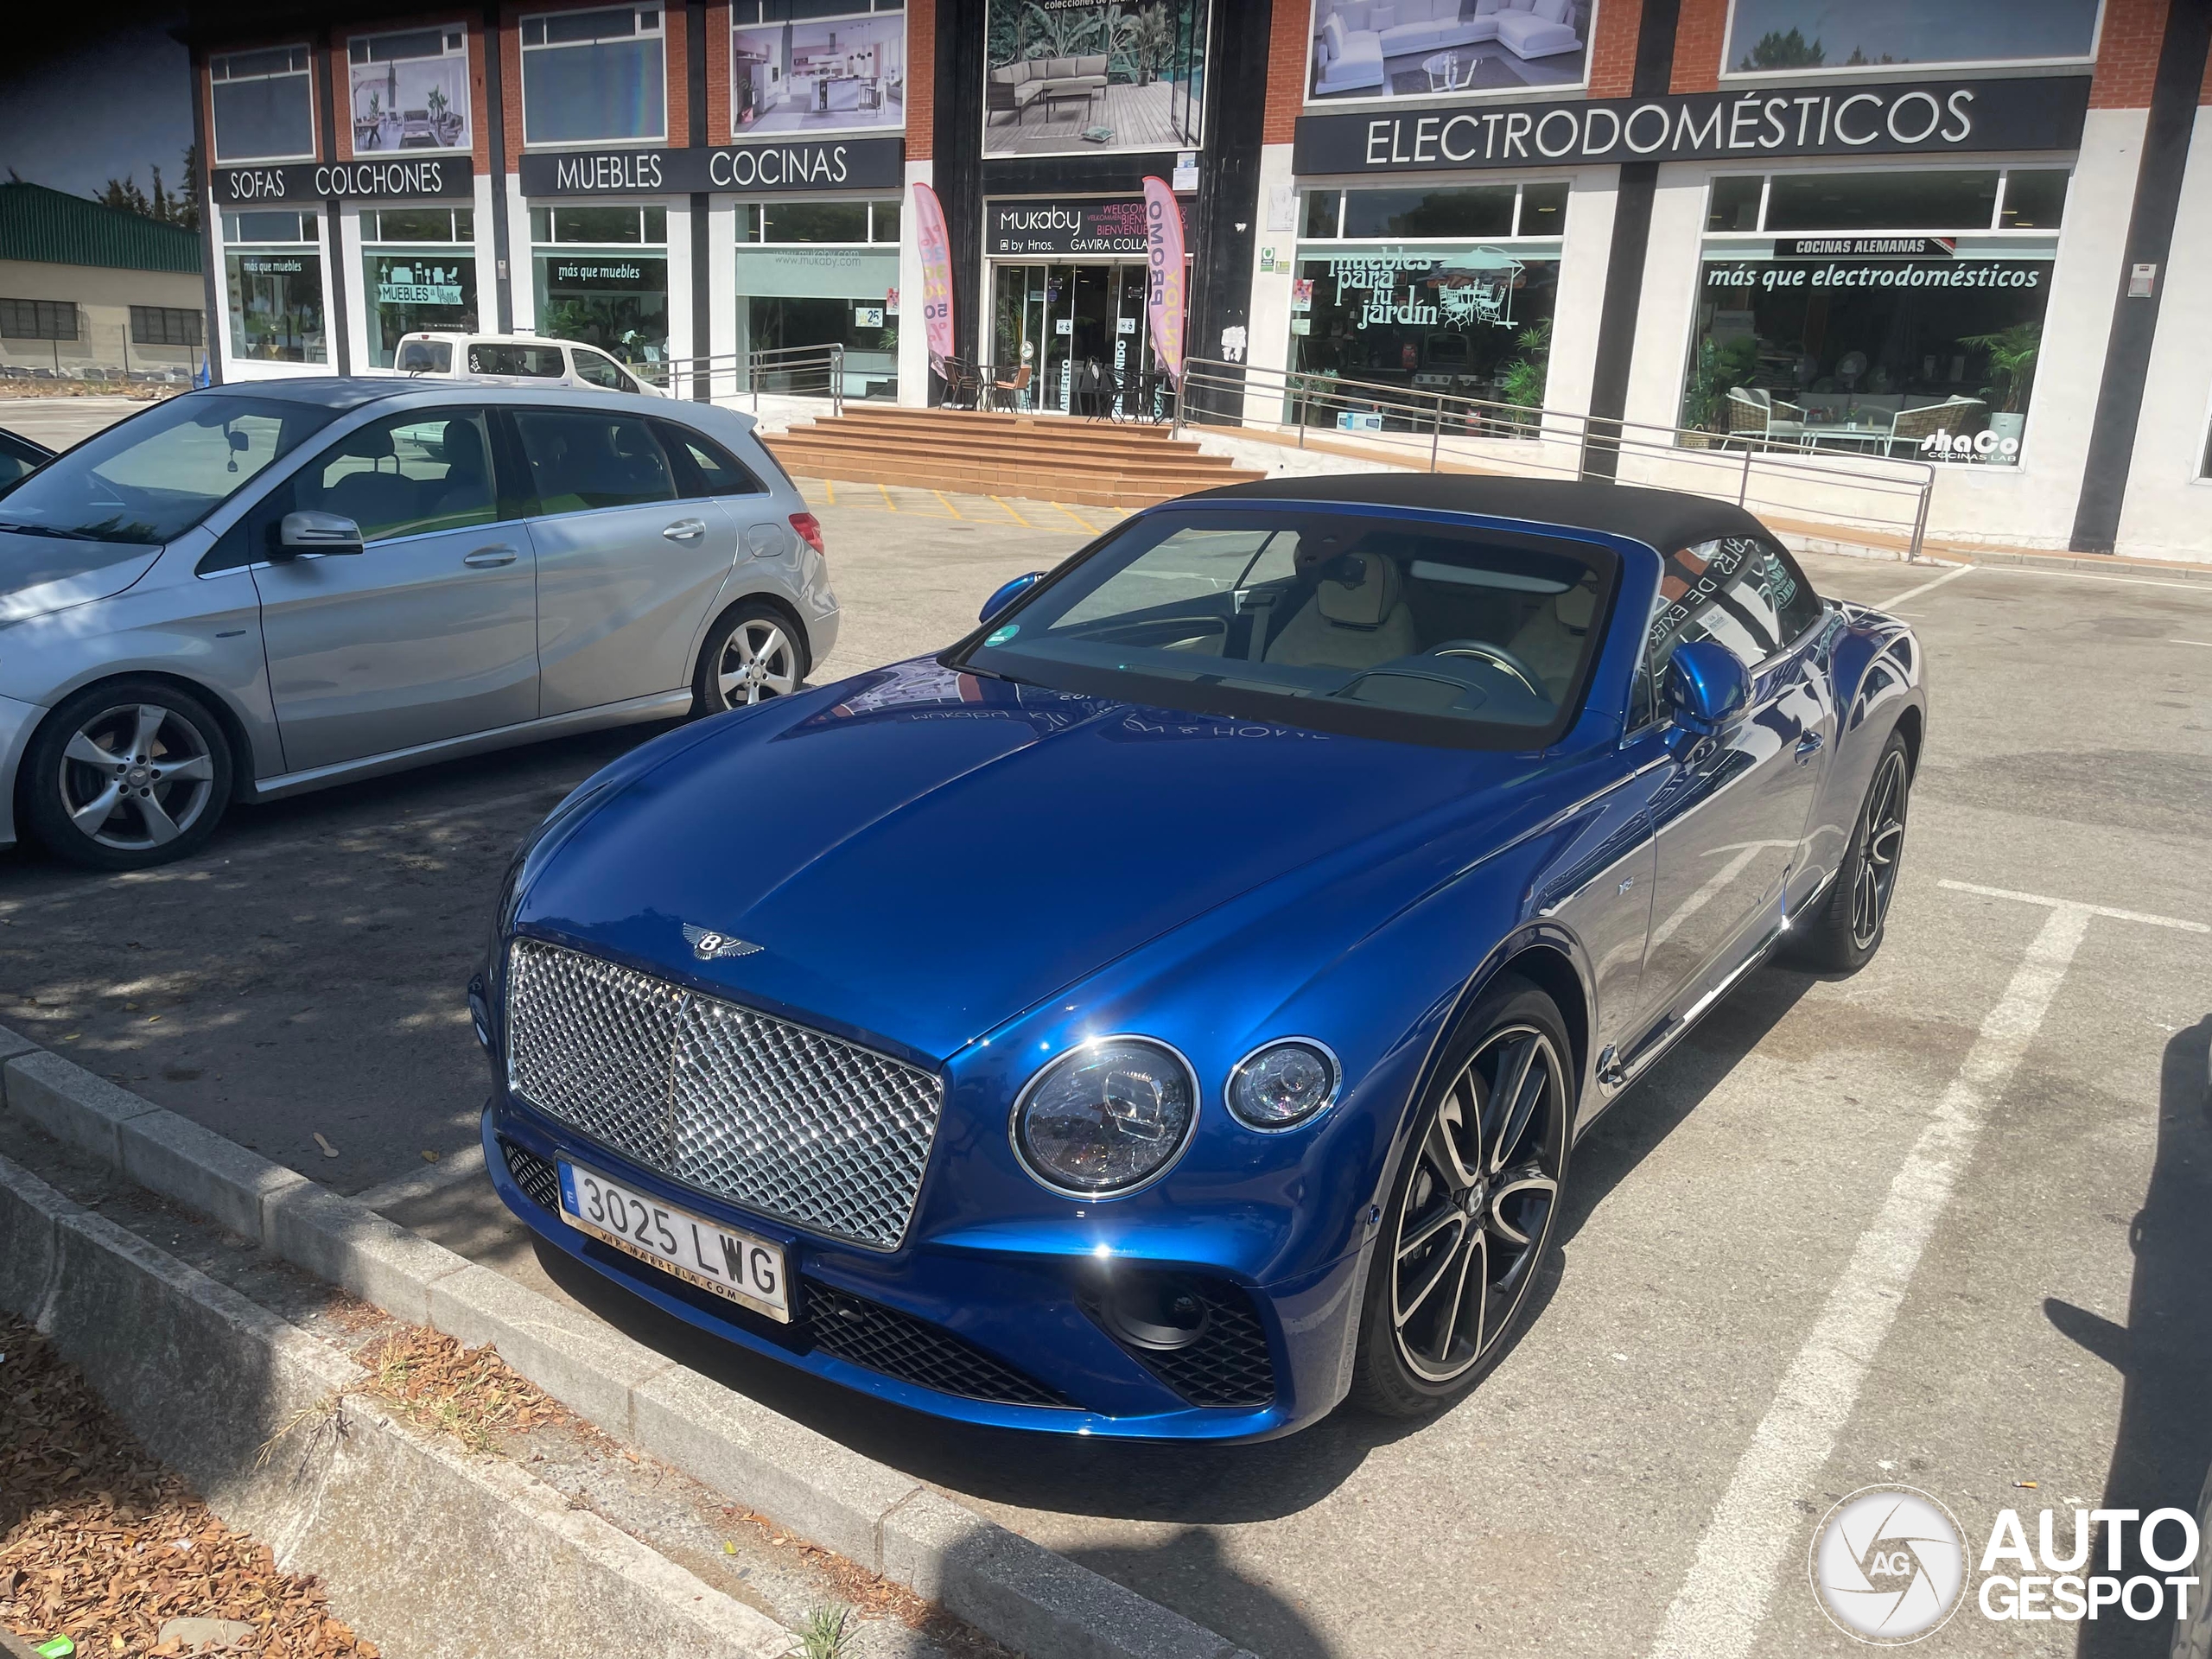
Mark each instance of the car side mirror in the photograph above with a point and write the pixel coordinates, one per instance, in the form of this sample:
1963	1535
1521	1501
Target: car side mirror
1006	595
317	532
1708	686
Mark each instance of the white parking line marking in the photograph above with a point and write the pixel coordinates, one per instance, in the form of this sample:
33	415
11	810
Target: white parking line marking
2075	904
1716	1614
2204	588
466	1164
2190	642
1915	593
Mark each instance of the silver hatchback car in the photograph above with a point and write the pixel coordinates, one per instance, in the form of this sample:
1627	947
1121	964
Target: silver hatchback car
248	592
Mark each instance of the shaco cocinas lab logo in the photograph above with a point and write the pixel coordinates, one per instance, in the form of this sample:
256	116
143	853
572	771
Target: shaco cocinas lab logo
1890	1565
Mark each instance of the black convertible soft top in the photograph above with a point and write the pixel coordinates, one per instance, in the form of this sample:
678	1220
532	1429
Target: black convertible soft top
1665	520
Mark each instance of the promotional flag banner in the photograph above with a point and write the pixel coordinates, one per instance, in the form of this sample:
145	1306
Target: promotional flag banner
1163	224
937	275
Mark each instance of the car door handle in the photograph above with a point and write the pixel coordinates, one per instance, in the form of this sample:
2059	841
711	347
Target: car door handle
686	529
1810	744
489	558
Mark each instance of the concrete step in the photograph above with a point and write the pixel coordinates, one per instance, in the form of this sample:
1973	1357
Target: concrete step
1093	491
838	447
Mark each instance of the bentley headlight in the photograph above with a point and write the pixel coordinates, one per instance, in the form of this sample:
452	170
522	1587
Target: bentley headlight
1106	1117
1283	1084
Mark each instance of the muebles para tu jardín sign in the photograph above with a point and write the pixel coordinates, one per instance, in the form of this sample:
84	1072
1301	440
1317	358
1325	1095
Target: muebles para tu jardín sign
1933	117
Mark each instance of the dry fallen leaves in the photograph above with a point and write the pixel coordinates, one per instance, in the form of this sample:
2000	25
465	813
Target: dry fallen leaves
468	1392
101	1543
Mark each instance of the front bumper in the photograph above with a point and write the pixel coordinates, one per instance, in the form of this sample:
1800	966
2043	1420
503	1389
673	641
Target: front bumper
936	1326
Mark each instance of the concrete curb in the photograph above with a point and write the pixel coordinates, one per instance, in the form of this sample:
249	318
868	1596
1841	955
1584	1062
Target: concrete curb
395	1524
1014	1591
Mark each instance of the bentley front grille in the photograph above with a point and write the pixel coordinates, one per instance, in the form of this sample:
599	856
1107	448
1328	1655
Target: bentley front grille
784	1121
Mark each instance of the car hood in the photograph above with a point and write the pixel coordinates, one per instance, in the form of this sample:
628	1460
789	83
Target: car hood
40	573
921	856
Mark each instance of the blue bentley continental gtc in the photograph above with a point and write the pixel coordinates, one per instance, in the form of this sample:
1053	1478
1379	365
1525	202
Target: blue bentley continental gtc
1172	1010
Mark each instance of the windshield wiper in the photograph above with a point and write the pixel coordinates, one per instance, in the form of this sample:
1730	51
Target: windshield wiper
53	531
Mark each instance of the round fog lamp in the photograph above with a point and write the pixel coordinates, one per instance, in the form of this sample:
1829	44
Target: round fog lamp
1283	1084
1106	1117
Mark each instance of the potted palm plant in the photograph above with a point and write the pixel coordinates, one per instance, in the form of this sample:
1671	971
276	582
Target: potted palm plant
2012	375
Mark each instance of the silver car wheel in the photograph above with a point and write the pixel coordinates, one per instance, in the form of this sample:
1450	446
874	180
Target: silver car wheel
757	663
136	776
1478	1204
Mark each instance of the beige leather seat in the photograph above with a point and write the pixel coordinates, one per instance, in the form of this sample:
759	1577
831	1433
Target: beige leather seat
1551	641
1357	618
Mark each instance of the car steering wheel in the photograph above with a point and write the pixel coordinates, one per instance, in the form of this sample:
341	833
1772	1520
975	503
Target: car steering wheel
1499	655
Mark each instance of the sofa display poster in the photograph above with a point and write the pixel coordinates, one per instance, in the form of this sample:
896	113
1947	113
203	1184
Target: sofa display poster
1401	49
413	95
936	249
1072	77
1166	275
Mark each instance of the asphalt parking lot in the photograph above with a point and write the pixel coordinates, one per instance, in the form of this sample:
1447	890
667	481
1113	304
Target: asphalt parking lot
1945	1223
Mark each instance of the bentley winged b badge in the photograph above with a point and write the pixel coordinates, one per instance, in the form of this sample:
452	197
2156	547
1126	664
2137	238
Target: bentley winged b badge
708	945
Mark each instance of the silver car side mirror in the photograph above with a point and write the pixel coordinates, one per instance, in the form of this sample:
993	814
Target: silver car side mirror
318	532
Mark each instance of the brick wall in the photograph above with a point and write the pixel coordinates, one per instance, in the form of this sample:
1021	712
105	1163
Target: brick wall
479	111
718	111
2127	54
510	82
1612	53
921	80
1288	44
1700	33
677	21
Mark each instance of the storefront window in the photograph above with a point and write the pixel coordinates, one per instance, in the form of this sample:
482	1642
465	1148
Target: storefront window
594	77
410	90
420	274
1772	37
602	279
262	108
276	289
813	274
817	66
1897	312
1395	320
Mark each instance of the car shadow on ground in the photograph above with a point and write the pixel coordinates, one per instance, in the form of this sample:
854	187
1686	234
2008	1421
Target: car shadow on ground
1180	1484
2164	1354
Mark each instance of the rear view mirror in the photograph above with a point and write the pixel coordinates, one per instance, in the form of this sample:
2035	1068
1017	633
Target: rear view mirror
1006	595
317	532
1708	686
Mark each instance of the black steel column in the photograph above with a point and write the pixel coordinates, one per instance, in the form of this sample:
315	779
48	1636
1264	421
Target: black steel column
335	327
2150	240
703	331
211	284
1632	198
957	171
495	123
1228	207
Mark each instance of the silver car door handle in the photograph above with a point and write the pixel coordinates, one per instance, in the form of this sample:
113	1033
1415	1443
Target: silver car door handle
487	559
686	529
1810	744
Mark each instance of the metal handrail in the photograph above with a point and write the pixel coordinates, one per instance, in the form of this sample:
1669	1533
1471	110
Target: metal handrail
697	377
1436	429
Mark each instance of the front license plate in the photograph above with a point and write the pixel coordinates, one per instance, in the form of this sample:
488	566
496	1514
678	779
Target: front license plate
700	1252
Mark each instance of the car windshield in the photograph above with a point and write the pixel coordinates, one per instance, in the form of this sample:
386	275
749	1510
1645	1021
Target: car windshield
1389	627
147	479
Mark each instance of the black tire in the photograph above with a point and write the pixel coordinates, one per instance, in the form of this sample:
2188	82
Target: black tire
156	791
1416	1356
742	637
1842	935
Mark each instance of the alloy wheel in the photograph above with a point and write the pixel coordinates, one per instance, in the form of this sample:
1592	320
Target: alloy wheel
1876	878
136	776
1479	1204
758	661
